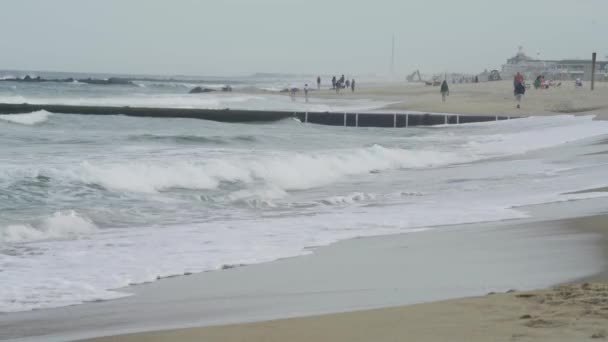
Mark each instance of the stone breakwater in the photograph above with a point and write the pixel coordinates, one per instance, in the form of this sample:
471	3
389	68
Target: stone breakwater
395	120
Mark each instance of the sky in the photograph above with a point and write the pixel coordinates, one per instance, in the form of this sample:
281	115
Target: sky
230	37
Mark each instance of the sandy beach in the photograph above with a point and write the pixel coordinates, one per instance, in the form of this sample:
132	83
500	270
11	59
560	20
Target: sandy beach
384	171
382	288
494	98
571	312
388	288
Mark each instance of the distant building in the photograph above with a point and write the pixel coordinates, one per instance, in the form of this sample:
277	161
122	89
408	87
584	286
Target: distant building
567	69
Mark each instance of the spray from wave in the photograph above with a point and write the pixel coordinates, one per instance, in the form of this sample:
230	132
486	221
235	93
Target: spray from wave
61	225
27	119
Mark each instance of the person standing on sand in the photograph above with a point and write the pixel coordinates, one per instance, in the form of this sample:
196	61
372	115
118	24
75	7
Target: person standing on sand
292	93
318	82
352	85
333	82
306	92
445	90
519	92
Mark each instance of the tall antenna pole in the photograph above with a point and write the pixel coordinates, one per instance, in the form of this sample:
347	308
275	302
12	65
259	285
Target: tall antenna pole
593	57
393	56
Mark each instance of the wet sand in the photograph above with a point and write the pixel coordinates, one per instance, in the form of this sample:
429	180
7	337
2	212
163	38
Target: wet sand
563	313
361	274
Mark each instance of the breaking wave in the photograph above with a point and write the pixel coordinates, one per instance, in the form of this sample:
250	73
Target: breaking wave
27	119
286	171
61	225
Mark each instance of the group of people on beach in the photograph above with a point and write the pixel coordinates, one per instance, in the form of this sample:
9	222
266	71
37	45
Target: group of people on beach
541	83
337	84
341	83
519	89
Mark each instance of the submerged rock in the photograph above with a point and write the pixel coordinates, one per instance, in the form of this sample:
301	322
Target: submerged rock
109	81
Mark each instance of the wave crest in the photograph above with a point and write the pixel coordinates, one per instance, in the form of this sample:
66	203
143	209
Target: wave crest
284	171
61	225
27	119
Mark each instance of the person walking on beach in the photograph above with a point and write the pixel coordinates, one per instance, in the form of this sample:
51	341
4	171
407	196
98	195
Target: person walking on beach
519	78
519	92
445	90
318	82
333	82
306	92
352	85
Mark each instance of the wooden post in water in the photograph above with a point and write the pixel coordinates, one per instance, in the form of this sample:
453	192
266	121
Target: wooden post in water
593	70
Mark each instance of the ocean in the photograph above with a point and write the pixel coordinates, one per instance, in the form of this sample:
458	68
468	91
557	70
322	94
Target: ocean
90	204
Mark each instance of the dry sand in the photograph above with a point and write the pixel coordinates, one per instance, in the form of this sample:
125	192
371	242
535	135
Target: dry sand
494	98
576	312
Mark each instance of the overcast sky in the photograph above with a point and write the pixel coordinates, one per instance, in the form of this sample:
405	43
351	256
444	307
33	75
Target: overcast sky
216	37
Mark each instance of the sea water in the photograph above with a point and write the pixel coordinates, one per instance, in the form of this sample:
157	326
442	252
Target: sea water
90	204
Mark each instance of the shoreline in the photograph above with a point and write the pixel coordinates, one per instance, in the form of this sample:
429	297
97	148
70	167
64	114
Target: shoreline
563	312
190	302
216	298
486	98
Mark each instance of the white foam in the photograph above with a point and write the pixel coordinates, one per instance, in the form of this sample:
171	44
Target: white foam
148	177
71	272
348	199
286	171
61	225
300	171
54	269
537	133
27	119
